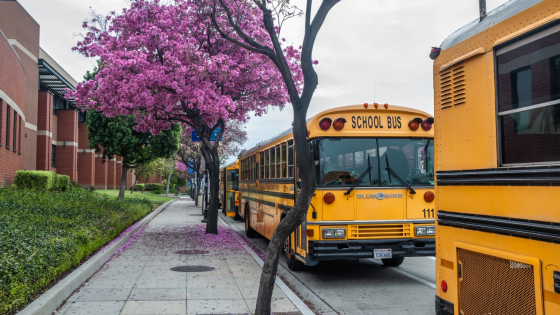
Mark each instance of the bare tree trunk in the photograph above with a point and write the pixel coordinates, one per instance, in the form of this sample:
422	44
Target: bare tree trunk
169	178
145	183
214	175
198	183
123	182
134	186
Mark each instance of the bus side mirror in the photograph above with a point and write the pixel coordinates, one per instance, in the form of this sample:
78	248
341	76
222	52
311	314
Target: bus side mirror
235	187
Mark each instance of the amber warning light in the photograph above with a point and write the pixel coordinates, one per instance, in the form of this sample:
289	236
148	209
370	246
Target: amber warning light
339	123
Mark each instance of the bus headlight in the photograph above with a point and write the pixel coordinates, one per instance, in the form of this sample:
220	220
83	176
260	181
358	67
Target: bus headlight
334	233
425	230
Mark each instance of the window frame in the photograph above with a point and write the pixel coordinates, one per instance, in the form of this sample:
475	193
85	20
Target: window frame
14	136
8	127
53	155
516	43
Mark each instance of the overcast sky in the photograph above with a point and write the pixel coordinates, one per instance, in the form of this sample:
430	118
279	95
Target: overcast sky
363	43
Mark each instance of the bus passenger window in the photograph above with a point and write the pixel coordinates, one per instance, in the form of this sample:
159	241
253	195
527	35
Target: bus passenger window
262	165
284	160
291	158
278	162
528	90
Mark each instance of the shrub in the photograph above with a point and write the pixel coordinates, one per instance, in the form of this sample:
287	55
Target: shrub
62	182
43	234
137	187
154	187
90	188
37	180
74	184
156	192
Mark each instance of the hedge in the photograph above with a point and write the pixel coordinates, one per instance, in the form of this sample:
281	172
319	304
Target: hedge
155	187
137	187
43	234
41	180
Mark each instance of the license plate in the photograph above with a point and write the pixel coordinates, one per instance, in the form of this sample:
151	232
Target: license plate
382	253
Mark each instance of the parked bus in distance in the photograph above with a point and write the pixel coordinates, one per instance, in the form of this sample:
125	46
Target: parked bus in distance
229	183
374	196
497	104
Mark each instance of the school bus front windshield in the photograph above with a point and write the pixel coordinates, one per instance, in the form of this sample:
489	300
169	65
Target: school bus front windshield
363	162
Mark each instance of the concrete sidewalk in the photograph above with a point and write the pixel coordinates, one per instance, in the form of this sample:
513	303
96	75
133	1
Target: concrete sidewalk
173	268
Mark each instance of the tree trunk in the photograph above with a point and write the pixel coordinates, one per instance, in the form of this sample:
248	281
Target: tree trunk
295	217
145	183
134	186
169	179
213	166
123	182
198	183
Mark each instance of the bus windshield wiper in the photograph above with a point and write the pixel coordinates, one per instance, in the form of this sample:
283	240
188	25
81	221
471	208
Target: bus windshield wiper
360	177
392	172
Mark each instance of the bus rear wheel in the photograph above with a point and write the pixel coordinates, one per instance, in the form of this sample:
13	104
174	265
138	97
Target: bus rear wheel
291	261
393	262
249	232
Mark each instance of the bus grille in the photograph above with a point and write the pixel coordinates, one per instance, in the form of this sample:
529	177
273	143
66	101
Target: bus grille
379	231
493	285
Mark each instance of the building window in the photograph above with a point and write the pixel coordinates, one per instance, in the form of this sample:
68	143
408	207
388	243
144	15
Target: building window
53	156
19	143
15	132
528	90
58	103
7	127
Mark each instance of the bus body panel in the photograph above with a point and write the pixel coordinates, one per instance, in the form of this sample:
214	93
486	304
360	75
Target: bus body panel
489	195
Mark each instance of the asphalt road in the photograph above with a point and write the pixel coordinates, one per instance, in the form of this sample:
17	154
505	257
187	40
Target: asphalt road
362	287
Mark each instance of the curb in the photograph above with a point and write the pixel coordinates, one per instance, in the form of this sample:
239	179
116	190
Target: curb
47	303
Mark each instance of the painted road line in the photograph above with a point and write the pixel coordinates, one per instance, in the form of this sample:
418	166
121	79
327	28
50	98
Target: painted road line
289	293
406	274
432	258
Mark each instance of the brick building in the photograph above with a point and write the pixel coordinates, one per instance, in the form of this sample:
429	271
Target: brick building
39	129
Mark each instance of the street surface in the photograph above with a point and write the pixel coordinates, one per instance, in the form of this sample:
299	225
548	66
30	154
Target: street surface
362	287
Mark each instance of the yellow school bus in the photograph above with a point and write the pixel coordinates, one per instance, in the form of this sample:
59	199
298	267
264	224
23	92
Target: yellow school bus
497	105
375	184
229	196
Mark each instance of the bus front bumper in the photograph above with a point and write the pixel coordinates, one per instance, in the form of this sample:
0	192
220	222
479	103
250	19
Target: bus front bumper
443	307
354	249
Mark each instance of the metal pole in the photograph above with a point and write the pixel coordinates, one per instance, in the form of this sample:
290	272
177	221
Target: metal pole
482	9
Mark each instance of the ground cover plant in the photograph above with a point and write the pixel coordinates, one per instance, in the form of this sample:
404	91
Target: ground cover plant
43	234
154	199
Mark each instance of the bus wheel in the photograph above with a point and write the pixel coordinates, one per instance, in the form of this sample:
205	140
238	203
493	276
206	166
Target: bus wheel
249	232
392	262
291	261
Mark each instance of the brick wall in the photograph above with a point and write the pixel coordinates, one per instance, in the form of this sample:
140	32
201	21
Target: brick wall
12	102
67	143
111	173
44	131
100	173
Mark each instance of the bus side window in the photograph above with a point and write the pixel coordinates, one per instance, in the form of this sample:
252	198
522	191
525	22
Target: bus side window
291	158
284	160
262	165
278	162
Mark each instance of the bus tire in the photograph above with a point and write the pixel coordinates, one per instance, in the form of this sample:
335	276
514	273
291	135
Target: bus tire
291	261
393	262
249	232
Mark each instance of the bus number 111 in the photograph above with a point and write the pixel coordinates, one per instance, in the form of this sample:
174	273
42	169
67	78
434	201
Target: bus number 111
427	213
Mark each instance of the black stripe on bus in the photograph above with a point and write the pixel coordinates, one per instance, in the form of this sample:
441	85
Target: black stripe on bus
283	207
269	193
268	203
531	229
249	198
524	176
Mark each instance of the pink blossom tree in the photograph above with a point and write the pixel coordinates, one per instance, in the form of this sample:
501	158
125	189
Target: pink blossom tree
229	17
167	63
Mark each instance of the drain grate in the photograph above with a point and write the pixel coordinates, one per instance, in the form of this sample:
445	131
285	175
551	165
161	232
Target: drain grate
192	252
192	268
